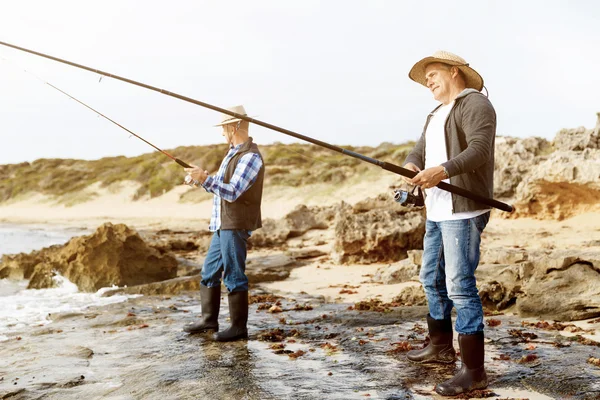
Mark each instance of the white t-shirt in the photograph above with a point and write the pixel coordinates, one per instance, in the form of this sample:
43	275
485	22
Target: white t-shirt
438	202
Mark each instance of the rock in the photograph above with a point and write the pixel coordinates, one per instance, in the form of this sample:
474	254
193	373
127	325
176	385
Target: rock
169	287
19	266
377	235
549	180
565	184
413	295
79	352
296	223
166	240
258	269
499	285
269	268
577	139
513	160
416	256
272	234
560	285
302	219
564	286
402	271
303	254
502	256
189	267
113	255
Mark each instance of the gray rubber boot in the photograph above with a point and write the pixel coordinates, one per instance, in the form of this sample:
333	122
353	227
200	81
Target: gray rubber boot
238	313
210	298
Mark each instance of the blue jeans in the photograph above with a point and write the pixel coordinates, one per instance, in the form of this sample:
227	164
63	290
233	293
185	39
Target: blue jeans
226	258
450	258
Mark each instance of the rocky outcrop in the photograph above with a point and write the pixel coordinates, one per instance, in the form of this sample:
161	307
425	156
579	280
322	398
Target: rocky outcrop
514	158
560	285
113	255
565	184
549	180
555	285
169	241
577	139
382	231
296	223
402	271
564	285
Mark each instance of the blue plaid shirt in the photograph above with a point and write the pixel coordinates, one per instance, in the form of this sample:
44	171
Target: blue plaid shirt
243	177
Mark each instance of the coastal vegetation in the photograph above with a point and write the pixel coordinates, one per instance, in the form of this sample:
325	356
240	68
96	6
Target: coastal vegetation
286	164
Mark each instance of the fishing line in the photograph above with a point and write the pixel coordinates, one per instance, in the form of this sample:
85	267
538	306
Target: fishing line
177	160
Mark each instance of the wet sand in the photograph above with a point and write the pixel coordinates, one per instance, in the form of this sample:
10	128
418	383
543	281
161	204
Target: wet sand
136	350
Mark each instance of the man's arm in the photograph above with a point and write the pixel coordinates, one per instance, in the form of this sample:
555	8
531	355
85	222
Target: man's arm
479	126
243	177
416	154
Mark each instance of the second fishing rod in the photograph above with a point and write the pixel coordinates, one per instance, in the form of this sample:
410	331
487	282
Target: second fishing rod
384	165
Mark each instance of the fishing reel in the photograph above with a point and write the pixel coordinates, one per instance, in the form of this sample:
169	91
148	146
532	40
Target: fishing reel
410	199
188	180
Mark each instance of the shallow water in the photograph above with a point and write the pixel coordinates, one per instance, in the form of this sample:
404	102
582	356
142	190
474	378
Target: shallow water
136	350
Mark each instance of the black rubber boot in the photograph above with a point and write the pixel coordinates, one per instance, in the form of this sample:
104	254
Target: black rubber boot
238	313
210	298
472	374
439	349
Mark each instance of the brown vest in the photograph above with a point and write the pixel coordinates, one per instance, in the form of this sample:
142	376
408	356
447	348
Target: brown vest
244	213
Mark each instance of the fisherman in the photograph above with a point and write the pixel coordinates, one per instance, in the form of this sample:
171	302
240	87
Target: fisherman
456	146
237	189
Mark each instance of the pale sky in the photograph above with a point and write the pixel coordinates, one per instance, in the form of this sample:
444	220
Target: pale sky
334	70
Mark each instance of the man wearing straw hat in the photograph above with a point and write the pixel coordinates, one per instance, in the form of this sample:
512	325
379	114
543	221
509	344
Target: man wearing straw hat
457	146
237	189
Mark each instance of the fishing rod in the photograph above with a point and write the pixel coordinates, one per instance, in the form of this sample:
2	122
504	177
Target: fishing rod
177	160
384	165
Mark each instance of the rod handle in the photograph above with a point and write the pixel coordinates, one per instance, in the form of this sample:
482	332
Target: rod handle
182	163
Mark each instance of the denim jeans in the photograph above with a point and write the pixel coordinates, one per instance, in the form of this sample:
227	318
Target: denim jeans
450	258
226	258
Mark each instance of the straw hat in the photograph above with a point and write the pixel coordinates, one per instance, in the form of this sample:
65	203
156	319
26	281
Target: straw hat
472	78
228	119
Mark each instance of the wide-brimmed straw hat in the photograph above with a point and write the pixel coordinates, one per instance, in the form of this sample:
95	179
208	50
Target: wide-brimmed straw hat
472	78
228	119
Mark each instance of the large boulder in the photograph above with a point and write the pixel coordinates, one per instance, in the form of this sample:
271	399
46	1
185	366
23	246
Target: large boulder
560	285
113	255
381	232
564	286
